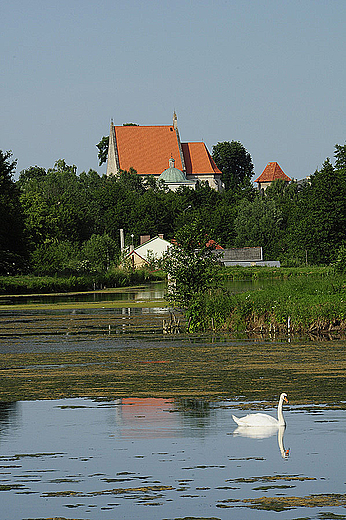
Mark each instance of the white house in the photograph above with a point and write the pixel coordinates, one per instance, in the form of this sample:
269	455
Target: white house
149	249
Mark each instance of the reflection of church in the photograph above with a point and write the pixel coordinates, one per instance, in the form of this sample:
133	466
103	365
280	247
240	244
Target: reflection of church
156	150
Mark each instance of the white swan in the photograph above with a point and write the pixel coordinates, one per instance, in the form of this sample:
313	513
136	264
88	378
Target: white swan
262	419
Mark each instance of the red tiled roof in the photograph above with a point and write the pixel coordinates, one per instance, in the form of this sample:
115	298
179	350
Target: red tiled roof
147	148
272	172
198	159
214	245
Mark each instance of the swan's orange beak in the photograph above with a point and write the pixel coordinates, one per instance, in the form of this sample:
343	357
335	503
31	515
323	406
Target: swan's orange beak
285	399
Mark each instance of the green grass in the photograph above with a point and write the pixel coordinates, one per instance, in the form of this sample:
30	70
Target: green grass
30	284
303	303
262	273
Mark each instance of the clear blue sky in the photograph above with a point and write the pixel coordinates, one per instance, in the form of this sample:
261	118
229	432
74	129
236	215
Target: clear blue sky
268	73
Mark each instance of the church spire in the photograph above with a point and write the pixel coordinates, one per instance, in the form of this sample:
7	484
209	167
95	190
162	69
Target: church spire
113	158
175	121
175	126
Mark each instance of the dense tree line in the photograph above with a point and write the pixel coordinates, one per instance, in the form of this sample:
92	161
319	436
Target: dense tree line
57	221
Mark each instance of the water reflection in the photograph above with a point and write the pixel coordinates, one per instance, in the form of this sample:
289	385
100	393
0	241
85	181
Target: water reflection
145	418
9	417
160	418
153	291
258	432
111	459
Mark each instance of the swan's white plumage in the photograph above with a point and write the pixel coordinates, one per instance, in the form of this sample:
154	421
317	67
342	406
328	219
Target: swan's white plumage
263	419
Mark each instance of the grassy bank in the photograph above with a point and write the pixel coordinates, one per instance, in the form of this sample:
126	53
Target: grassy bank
87	282
301	302
275	273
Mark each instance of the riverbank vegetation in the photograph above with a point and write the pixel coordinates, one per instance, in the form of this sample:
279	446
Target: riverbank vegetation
305	303
29	284
278	301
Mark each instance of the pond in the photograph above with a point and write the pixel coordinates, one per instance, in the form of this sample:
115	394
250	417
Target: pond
160	458
104	416
150	292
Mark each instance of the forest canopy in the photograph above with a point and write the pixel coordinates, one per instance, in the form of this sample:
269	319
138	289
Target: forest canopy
56	221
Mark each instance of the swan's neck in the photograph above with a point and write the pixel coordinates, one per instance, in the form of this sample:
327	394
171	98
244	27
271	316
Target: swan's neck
281	419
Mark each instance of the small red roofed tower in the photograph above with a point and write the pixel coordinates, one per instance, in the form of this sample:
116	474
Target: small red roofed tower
272	172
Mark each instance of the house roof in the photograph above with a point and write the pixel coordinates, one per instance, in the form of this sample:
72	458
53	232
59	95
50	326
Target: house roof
142	249
198	160
148	148
173	175
135	253
211	243
154	239
272	172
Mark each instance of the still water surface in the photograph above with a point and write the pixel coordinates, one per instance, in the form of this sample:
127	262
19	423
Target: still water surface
164	459
154	458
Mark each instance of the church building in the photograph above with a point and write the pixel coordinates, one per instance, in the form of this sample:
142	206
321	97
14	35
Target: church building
157	150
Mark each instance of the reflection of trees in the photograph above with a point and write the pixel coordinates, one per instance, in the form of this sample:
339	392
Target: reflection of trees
196	413
8	415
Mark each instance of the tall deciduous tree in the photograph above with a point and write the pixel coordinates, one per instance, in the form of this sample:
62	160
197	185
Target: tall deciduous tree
235	163
258	223
323	221
11	220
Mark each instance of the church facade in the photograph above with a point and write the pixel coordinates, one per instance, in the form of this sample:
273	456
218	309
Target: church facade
149	149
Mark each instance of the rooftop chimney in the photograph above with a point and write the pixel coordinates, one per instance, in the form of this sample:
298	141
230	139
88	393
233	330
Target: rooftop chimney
122	241
143	239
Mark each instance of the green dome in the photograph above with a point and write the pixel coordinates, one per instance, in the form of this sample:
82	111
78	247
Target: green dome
172	174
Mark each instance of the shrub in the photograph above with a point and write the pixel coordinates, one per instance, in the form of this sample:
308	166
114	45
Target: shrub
55	257
340	263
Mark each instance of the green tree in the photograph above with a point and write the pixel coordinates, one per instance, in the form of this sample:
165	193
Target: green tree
258	223
131	181
62	257
99	252
189	264
12	243
31	174
322	221
340	156
103	149
340	262
235	163
57	205
287	199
